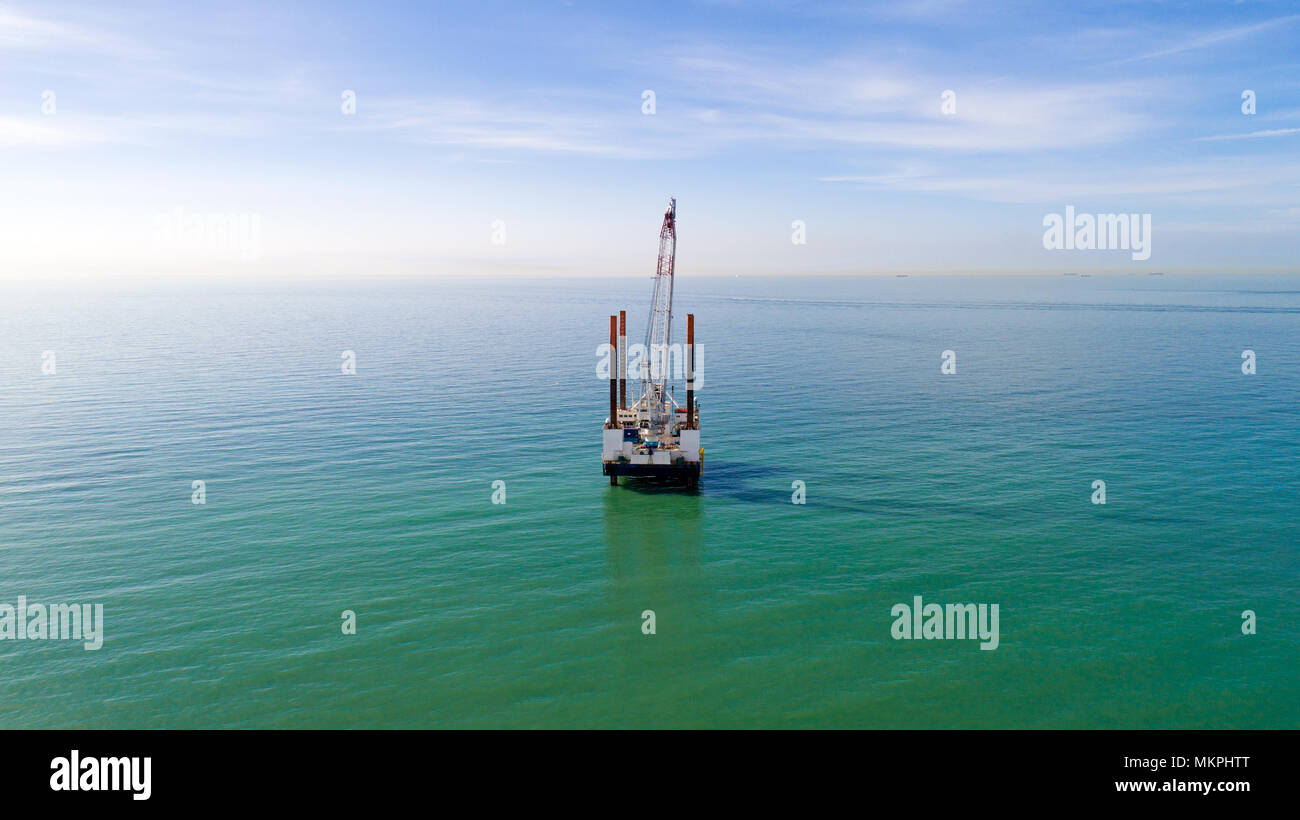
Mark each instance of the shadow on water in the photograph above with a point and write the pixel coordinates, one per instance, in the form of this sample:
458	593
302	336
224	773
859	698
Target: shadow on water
770	486
752	483
761	484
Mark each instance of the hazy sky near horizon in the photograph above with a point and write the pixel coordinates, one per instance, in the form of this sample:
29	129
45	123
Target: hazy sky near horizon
120	126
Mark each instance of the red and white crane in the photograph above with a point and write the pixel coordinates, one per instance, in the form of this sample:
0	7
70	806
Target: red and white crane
659	327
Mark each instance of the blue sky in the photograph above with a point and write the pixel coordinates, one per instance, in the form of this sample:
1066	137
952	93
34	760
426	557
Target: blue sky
529	115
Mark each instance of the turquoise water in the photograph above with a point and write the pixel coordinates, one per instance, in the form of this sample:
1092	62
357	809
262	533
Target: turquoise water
372	493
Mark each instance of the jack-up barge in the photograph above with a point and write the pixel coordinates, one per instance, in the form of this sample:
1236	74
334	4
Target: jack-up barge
654	436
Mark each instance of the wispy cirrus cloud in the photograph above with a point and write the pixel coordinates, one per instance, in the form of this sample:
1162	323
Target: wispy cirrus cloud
26	33
44	134
519	124
708	104
1211	38
1272	132
1252	180
75	131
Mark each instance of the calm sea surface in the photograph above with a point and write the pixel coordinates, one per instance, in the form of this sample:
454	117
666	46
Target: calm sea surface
327	492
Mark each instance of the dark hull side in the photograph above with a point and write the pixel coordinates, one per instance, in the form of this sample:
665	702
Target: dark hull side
688	472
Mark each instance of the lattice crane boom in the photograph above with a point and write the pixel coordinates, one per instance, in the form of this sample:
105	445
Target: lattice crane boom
659	328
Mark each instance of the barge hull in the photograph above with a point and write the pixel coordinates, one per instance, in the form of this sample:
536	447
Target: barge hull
688	472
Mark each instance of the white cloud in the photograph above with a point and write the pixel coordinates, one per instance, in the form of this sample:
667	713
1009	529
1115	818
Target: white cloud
711	104
1241	181
45	133
1275	132
29	33
1212	38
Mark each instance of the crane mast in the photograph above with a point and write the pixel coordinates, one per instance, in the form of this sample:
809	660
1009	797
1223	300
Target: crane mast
654	378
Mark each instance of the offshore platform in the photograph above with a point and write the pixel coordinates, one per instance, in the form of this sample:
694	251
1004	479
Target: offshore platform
654	436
